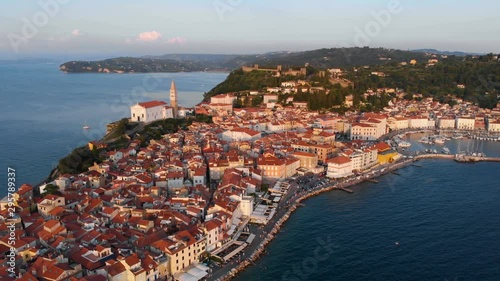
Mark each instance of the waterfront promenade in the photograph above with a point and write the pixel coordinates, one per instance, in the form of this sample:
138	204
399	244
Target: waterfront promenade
294	199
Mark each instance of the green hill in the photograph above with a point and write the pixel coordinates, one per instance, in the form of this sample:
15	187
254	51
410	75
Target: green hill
321	58
473	78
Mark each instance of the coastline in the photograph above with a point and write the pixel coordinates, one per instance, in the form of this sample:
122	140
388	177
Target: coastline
153	72
342	185
296	201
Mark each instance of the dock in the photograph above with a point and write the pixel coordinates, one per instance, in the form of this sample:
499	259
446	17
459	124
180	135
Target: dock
474	159
463	158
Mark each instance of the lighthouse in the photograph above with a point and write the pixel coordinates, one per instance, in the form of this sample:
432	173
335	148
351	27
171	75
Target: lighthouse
173	99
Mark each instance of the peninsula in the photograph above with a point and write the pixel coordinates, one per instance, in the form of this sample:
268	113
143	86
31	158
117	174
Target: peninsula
176	193
323	58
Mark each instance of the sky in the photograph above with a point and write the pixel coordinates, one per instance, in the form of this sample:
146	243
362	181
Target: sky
104	28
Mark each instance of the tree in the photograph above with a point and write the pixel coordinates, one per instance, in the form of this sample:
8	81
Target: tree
237	103
51	189
257	100
246	101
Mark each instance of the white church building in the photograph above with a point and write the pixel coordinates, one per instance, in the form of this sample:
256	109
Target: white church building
151	111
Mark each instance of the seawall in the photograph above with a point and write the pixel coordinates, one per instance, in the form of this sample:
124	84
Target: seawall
338	186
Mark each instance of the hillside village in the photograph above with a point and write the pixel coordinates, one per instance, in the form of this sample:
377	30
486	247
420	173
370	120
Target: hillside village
156	212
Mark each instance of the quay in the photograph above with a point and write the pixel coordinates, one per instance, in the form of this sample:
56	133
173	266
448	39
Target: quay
458	158
473	159
252	257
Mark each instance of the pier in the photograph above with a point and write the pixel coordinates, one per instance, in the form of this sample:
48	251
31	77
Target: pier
473	159
459	158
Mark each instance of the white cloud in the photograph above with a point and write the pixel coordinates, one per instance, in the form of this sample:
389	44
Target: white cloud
76	32
149	36
177	40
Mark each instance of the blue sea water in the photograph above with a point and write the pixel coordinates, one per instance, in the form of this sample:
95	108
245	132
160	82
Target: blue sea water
435	222
43	110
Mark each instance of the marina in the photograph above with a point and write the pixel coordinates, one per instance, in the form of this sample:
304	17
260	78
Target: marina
345	184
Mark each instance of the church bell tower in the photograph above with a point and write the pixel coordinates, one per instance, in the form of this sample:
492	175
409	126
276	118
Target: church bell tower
173	99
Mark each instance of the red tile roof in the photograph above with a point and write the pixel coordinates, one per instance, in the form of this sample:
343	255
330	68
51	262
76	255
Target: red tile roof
339	160
153	103
382	146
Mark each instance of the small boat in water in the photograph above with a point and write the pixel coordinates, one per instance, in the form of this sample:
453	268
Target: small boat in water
446	150
439	141
404	144
85	126
424	140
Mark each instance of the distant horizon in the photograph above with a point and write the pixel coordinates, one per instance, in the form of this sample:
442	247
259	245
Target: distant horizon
77	57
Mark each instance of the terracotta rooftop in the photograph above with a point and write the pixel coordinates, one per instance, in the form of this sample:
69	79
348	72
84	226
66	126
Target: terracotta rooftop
153	103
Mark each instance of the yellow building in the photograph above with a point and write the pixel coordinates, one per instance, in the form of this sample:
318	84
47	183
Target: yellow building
388	156
181	249
307	160
323	151
385	153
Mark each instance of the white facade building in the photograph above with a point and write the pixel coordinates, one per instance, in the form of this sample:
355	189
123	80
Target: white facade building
150	111
359	131
446	123
222	99
397	123
270	99
463	123
246	205
418	123
494	126
363	159
339	167
241	134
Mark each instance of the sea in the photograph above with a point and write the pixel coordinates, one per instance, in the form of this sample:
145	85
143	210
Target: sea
438	221
44	110
435	221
